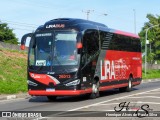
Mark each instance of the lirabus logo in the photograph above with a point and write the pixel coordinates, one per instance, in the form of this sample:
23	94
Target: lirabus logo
113	69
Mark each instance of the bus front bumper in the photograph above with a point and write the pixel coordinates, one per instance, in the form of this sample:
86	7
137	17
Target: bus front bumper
59	92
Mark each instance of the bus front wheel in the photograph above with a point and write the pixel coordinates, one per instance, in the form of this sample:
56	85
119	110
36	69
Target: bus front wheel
95	90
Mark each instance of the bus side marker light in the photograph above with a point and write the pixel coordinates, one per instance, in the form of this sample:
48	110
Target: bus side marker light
75	82
79	45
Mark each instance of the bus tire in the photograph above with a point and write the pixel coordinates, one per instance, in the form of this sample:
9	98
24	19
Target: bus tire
128	88
52	98
95	90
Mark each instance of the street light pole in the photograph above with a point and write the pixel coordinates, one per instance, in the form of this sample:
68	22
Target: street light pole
88	13
146	46
145	67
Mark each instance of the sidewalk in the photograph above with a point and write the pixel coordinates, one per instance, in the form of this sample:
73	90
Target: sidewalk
14	96
26	95
150	80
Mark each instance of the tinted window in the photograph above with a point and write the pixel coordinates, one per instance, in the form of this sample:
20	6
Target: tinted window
125	43
90	45
91	42
105	39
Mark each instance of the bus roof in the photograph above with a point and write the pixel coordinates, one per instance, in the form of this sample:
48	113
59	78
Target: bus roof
125	33
65	23
77	21
82	25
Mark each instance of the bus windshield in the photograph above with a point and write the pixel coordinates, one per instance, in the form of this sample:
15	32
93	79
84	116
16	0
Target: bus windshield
53	49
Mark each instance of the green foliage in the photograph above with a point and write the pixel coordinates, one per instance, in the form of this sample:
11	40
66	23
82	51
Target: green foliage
7	35
150	74
151	57
13	65
153	37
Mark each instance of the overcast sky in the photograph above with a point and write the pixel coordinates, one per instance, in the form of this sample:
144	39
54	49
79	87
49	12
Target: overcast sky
25	16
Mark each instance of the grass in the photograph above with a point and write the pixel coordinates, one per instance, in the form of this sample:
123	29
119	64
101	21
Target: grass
150	74
13	71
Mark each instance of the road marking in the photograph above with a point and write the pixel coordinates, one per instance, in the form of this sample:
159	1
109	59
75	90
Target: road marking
69	113
153	93
152	103
138	102
108	104
118	103
145	97
111	100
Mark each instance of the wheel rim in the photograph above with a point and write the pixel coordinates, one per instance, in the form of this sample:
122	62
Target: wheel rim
95	88
130	84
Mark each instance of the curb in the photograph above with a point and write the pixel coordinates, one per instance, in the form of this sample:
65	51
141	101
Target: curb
16	96
150	80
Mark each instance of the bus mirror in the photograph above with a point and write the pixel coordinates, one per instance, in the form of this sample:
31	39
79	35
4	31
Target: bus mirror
23	40
22	47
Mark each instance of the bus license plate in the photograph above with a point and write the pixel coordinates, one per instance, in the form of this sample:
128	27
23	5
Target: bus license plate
50	89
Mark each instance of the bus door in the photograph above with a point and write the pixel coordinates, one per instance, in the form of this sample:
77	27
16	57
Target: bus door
89	55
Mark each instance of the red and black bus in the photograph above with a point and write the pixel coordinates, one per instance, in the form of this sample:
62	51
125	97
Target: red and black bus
69	57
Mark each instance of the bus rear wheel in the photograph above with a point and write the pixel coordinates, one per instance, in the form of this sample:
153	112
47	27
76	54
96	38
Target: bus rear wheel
52	98
129	87
95	90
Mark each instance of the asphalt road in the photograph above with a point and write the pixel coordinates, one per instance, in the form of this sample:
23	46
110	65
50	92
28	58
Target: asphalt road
144	94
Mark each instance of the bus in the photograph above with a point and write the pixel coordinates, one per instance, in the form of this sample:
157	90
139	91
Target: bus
71	57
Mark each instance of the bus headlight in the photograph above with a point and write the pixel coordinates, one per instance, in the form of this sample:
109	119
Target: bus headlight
31	83
75	82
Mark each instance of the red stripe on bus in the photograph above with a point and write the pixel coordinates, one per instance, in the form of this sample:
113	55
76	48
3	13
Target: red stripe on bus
42	78
120	85
101	81
126	34
112	80
105	88
113	86
59	92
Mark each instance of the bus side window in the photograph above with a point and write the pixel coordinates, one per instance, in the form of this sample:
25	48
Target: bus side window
84	52
90	44
114	43
93	42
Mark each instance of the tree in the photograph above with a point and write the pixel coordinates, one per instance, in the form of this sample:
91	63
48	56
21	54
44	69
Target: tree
153	37
6	34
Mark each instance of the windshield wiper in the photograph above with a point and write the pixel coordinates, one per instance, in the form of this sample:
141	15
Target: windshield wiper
59	63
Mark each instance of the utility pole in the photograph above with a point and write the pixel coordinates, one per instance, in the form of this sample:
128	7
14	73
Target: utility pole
87	13
134	20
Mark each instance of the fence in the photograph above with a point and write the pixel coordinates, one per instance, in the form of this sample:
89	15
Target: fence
11	46
153	66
